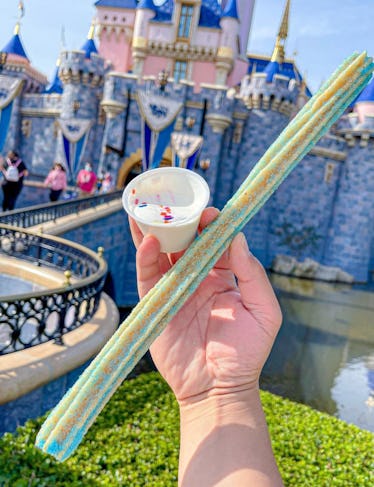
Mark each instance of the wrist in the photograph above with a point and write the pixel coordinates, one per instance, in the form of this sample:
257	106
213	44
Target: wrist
220	408
225	442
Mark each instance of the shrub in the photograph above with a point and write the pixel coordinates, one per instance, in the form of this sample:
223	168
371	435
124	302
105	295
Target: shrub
134	442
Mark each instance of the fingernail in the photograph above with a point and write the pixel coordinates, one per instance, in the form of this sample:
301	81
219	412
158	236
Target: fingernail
244	243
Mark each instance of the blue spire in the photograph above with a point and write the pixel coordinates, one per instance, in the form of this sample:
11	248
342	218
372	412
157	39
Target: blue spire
272	69
15	46
89	46
230	10
146	4
56	85
367	94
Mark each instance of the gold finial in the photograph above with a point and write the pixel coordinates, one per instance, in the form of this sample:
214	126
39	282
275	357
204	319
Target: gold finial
91	32
100	251
278	53
21	14
67	281
283	30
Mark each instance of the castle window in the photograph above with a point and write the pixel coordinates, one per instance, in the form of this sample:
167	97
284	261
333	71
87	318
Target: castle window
180	71
185	19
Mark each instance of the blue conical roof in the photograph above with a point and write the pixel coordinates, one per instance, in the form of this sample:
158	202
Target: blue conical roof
56	85
147	4
230	10
89	47
272	69
15	46
367	94
131	4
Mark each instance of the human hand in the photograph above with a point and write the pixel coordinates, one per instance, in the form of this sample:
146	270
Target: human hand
220	339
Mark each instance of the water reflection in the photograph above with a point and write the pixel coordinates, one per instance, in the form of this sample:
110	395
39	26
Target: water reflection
324	353
10	285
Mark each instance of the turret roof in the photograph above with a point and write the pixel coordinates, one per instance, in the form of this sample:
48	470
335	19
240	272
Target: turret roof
89	47
147	4
14	46
260	64
271	70
230	9
367	94
56	85
210	13
131	4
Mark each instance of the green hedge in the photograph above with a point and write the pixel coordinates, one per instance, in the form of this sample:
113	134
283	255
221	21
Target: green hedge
134	442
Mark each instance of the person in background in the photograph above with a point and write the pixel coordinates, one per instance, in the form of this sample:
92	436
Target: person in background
211	354
14	171
107	183
56	181
86	180
99	181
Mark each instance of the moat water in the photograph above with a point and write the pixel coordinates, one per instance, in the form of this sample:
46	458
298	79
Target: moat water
10	285
324	353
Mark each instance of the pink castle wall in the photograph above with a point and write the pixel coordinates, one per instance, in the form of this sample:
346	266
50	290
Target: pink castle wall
237	74
364	108
118	52
115	37
203	73
153	65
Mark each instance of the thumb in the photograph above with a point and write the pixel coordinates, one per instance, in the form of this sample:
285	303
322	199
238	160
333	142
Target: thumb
148	264
256	291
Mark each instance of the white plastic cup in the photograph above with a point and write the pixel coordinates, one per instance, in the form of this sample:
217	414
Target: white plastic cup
167	202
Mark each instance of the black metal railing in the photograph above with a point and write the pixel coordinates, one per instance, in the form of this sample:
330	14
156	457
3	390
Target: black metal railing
33	318
36	215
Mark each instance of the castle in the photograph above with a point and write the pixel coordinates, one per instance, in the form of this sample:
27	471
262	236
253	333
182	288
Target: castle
191	55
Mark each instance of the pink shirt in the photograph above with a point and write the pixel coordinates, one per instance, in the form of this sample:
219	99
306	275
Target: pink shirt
56	179
86	180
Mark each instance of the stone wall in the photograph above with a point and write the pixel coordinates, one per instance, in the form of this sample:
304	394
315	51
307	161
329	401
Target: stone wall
113	234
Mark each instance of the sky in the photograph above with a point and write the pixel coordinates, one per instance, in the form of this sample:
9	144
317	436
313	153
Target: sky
322	33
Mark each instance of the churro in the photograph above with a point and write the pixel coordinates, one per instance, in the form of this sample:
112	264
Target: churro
71	418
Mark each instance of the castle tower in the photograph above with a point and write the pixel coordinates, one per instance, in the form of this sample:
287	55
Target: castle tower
228	50
82	75
145	11
351	238
115	26
17	77
245	14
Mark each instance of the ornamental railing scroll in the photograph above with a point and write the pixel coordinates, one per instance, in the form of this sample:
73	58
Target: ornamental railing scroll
30	319
39	214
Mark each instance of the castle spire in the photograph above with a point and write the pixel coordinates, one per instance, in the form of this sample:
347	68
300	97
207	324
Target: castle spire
278	53
89	47
14	46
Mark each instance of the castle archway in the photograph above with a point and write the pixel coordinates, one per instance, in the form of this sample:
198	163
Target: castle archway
132	166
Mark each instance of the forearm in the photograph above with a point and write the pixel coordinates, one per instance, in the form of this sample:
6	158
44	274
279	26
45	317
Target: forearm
225	442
